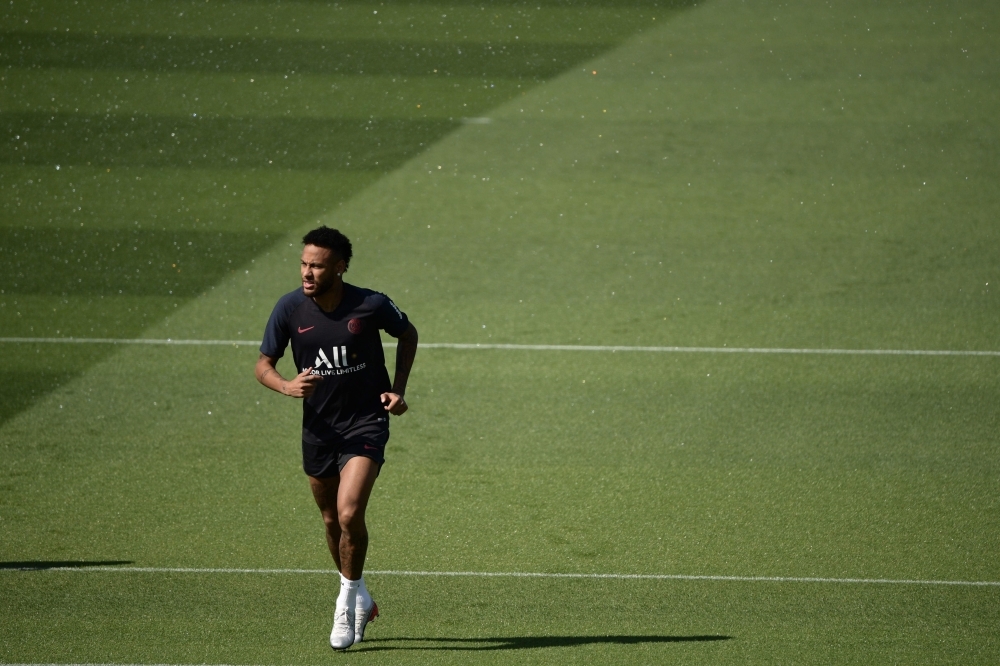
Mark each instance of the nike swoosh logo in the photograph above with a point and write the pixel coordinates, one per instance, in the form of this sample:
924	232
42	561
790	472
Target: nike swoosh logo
303	330
372	448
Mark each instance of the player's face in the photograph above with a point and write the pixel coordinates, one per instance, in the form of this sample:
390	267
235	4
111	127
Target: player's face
320	268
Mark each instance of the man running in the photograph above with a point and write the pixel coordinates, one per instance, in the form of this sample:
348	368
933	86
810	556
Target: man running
334	330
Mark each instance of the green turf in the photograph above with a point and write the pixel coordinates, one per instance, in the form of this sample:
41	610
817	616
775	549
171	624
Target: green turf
734	176
157	146
277	619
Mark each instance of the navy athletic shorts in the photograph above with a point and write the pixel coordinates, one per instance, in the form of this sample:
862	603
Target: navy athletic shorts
326	460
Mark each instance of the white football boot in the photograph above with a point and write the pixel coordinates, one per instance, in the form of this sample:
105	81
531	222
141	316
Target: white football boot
342	634
362	617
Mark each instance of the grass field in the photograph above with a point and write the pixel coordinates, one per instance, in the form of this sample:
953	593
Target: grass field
723	174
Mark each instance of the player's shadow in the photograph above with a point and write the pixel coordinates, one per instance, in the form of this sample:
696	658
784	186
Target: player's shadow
42	565
526	642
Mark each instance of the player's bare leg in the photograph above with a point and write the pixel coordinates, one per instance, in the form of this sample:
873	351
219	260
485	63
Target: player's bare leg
325	493
342	502
356	482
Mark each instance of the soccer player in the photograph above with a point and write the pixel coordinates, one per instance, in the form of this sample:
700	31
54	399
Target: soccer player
334	330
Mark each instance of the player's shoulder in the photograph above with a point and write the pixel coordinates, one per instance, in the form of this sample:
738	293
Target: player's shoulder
293	298
368	297
290	302
386	314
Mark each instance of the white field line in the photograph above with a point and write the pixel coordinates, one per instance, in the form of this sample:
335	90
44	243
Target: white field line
514	347
518	574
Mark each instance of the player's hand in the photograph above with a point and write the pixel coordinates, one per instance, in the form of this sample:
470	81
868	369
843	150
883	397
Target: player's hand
303	385
394	403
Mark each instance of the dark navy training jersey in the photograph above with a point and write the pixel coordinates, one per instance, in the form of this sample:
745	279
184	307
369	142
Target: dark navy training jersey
344	348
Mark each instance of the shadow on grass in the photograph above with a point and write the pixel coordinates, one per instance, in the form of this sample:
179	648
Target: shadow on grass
525	58
42	565
20	388
173	265
532	4
521	59
530	642
144	140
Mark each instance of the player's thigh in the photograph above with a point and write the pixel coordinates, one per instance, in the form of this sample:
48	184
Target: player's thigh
357	479
325	491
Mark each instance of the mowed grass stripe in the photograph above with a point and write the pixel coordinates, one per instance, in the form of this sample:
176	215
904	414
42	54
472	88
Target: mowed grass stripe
518	574
194	136
269	55
505	22
257	96
521	347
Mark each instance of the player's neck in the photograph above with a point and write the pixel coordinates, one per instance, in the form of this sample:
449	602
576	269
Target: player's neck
330	299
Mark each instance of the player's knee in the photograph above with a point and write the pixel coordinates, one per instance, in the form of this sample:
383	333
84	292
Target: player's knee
351	518
331	521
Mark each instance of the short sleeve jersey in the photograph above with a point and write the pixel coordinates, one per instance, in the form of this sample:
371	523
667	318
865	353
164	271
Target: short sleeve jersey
344	348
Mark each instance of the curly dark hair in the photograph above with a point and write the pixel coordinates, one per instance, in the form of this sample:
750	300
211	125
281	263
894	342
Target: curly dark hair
332	240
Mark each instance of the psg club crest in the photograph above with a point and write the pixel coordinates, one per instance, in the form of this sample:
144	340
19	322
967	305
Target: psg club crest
355	326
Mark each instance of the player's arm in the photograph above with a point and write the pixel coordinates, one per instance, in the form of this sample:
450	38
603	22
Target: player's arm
406	351
267	374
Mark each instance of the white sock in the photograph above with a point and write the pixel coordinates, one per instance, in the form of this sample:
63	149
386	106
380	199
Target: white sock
364	599
348	593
